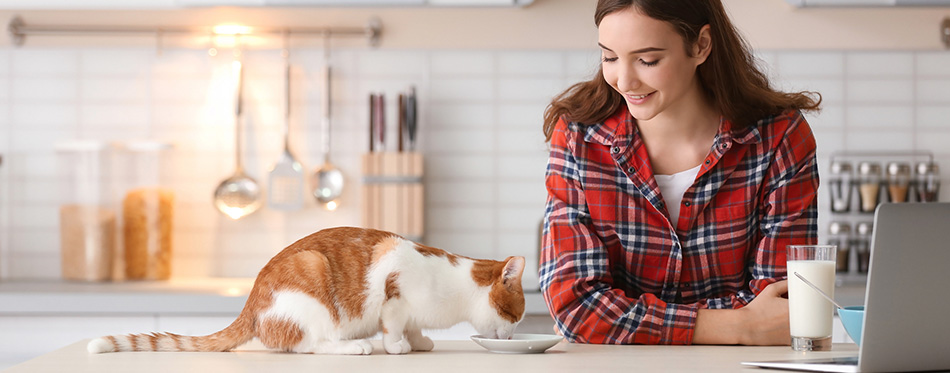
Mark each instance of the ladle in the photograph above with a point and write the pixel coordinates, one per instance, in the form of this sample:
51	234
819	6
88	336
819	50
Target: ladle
238	195
327	179
818	290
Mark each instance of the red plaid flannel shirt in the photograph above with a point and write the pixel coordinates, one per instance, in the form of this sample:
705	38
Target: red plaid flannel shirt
614	269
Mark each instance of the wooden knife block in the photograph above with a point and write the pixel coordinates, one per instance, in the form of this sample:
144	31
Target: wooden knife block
393	193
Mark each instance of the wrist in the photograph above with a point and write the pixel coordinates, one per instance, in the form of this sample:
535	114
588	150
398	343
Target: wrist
723	327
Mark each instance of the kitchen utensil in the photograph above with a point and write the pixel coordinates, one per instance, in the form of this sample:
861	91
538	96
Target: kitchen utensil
811	285
412	118
401	123
238	195
372	121
519	343
327	180
286	178
380	122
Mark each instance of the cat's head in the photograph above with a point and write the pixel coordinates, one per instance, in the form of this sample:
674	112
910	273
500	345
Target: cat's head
505	306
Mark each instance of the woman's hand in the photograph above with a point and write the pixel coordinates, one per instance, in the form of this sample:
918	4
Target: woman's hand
764	321
766	317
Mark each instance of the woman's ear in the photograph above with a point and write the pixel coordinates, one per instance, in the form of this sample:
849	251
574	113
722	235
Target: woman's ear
703	45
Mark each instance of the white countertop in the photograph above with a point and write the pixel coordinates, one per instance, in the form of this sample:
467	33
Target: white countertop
448	356
179	296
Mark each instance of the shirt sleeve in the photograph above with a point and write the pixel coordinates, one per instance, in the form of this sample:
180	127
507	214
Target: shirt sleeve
789	206
575	271
788	209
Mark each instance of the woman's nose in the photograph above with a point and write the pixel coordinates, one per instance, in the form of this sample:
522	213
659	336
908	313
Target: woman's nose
627	79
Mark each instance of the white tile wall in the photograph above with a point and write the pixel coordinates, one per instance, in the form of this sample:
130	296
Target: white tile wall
480	131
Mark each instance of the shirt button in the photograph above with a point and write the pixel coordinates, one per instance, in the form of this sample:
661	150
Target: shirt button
707	161
630	170
686	203
615	150
723	146
686	285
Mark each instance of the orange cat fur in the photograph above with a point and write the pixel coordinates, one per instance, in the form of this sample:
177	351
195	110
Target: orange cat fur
329	291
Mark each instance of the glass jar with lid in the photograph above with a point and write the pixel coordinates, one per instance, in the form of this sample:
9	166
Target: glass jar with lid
839	234
841	182
862	245
927	183
869	185
147	211
88	224
898	181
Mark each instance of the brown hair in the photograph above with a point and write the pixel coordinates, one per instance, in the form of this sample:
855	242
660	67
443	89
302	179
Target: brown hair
730	78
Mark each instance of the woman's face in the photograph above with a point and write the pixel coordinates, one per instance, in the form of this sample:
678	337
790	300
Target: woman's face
644	59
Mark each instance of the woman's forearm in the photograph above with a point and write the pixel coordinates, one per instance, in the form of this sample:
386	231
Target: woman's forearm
719	327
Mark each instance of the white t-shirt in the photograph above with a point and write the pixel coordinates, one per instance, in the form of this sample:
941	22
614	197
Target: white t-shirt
673	187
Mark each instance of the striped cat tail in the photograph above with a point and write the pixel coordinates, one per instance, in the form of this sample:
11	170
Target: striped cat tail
236	334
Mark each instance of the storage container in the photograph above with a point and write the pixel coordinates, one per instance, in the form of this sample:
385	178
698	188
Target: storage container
147	211
87	215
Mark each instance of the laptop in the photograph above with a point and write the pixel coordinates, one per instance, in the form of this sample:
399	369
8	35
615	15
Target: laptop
907	303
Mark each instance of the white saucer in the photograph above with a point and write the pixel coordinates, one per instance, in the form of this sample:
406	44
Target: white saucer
519	343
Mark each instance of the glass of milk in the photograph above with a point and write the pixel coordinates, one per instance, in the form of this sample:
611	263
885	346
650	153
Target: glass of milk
809	314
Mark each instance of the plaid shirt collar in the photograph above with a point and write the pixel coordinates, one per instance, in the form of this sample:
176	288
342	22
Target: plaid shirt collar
619	130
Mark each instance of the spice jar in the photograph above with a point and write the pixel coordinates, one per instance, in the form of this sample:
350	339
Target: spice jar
87	215
898	181
840	235
862	245
147	212
869	185
841	183
927	183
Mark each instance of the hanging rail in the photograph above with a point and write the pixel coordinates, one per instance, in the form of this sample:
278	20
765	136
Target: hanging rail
19	30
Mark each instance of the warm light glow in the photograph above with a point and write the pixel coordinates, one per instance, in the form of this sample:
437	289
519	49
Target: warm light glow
232	30
232	292
331	206
235	212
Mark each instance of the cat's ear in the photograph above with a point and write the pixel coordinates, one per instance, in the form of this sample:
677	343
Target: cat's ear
514	268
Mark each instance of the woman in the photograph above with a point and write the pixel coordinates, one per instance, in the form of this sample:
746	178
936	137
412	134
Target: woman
676	179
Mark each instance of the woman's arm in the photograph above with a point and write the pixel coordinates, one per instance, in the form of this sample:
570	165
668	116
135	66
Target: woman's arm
788	216
763	322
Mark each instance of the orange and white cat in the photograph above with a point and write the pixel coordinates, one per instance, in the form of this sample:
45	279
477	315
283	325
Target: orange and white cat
329	291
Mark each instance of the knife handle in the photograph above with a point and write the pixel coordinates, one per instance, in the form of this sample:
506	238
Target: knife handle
372	120
402	121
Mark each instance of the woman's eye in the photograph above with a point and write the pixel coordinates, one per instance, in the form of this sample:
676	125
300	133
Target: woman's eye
649	63
609	59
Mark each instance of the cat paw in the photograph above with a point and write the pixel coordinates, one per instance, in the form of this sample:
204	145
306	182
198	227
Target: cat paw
422	344
362	347
354	347
399	347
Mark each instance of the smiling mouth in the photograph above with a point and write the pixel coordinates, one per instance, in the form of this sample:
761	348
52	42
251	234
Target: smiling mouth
639	97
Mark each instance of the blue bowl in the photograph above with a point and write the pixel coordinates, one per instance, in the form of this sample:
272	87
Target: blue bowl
853	320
